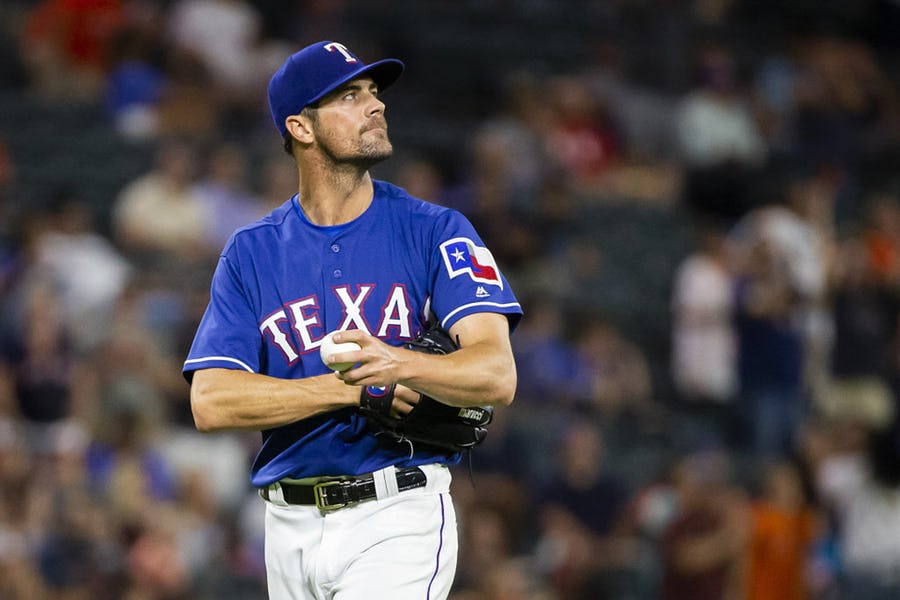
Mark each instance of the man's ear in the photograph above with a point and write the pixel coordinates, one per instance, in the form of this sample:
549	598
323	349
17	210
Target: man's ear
300	127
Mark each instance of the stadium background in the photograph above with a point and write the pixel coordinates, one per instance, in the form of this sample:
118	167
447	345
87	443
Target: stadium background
636	166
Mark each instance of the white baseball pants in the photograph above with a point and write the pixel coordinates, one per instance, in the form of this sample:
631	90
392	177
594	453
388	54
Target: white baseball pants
401	546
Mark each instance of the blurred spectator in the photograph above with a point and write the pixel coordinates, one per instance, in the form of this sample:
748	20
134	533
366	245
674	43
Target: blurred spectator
195	518
805	234
580	544
719	140
221	33
866	316
545	358
41	372
215	467
66	45
519	129
73	556
641	117
496	527
490	542
19	579
238	569
704	348
784	528
225	37
792	233
703	546
135	82
160	213
613	375
572	272
134	367
770	349
641	113
71	545
843	94
153	565
776	84
651	509
882	237
188	105
224	194
860	482
581	137
124	467
88	270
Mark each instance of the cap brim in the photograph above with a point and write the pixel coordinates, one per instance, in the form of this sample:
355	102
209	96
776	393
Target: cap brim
383	72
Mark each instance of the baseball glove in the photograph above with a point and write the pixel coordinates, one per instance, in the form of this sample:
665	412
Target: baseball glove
430	422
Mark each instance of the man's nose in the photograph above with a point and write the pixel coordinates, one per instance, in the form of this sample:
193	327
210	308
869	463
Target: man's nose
375	105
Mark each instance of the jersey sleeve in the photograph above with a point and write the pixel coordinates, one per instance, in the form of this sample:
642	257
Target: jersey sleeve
466	278
227	336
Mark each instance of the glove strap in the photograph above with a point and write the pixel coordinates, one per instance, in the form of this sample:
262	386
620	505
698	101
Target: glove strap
377	399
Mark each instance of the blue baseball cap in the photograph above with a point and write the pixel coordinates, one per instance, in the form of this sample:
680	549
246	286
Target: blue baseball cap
312	73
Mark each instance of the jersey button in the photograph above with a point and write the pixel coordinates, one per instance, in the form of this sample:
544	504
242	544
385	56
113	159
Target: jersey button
337	273
335	248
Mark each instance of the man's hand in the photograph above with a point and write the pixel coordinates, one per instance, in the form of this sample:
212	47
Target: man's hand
428	421
375	365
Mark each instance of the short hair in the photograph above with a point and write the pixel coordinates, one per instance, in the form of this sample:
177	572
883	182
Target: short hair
310	111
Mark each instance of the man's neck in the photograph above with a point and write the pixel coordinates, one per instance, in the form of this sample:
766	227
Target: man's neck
335	195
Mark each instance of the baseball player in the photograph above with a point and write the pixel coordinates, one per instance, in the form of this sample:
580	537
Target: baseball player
350	514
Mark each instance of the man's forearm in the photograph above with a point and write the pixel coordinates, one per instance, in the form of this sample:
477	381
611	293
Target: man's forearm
223	399
476	375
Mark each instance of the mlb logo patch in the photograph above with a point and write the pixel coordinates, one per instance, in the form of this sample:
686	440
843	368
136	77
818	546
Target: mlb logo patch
462	255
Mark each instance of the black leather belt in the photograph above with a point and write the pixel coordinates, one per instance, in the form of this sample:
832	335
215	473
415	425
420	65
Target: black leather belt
334	493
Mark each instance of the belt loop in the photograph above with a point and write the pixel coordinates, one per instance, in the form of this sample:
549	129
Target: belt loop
274	494
385	483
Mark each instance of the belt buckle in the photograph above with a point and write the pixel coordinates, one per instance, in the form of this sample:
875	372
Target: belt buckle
319	495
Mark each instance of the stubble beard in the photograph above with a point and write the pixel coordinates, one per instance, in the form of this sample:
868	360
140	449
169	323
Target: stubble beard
370	150
373	151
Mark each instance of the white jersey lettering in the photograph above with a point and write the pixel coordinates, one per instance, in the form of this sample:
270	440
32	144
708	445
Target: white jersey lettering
396	313
303	321
353	315
270	329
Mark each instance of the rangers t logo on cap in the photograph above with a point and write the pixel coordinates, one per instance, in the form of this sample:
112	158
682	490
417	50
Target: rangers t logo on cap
343	50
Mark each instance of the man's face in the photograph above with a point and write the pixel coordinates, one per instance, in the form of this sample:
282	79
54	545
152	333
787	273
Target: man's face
350	127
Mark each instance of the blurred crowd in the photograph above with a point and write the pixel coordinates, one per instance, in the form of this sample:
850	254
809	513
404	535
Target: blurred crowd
750	451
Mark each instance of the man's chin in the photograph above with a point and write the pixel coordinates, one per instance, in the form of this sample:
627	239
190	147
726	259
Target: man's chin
374	155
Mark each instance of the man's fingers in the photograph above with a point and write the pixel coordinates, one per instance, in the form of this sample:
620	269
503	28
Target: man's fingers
405	400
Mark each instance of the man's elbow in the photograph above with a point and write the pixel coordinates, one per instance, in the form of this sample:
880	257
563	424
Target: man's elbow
206	419
505	391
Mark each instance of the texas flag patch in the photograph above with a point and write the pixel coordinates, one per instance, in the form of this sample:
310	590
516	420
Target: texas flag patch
461	255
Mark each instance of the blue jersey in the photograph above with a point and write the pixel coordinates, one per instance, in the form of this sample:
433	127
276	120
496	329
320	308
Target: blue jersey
283	282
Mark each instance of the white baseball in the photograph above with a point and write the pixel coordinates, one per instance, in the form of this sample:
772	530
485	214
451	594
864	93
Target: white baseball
329	348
